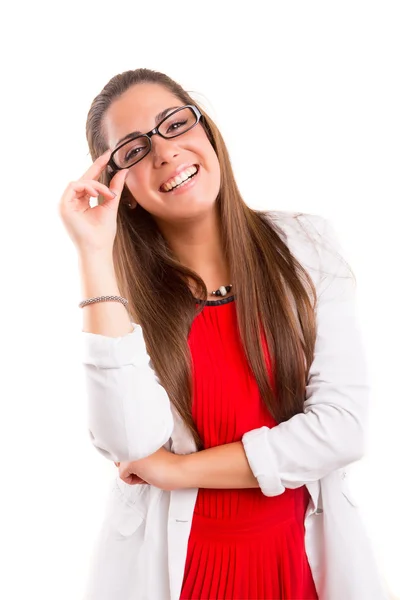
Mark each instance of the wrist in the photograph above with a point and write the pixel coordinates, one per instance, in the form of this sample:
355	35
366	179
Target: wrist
96	257
97	273
184	476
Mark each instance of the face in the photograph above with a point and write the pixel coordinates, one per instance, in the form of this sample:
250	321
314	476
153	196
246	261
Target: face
135	110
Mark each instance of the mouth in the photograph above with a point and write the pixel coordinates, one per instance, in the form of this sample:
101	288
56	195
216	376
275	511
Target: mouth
181	181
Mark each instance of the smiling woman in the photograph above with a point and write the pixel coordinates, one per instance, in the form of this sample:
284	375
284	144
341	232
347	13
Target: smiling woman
174	143
240	413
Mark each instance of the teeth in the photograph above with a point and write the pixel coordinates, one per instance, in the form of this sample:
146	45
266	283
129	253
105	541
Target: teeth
179	179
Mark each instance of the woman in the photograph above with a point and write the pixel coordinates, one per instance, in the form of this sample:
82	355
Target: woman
225	371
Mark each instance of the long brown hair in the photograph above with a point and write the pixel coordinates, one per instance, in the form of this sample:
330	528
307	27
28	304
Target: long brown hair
274	294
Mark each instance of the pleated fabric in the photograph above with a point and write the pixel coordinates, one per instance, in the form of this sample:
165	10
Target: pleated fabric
242	545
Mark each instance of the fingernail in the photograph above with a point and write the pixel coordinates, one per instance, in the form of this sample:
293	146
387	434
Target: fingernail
113	193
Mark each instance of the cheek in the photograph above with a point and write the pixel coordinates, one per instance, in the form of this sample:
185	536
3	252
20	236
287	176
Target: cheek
215	167
136	183
211	159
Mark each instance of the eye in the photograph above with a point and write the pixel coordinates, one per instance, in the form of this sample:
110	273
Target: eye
176	125
134	152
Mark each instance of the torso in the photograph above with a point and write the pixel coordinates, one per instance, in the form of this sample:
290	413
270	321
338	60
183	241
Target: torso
227	523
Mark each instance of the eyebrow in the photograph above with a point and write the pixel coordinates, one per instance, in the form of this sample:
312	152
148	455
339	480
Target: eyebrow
157	120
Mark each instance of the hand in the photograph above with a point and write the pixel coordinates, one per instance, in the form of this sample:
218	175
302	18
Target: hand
160	469
127	476
92	228
133	479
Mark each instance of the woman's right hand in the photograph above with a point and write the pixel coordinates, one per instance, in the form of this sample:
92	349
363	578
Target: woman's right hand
92	229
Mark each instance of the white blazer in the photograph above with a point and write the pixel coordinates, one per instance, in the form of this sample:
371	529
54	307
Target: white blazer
141	549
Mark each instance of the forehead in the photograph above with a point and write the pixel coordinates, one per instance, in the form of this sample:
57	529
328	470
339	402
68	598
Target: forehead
136	110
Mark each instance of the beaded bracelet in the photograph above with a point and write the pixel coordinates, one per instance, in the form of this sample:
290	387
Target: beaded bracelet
103	299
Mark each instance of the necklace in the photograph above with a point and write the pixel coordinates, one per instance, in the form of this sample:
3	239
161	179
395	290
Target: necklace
222	291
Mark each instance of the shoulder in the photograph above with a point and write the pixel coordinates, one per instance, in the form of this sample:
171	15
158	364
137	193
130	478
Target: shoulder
303	234
298	226
314	241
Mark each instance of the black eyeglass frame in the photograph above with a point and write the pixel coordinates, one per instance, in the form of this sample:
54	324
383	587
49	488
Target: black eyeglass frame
112	165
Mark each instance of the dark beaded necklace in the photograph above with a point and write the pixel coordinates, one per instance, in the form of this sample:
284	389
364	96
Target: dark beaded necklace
223	290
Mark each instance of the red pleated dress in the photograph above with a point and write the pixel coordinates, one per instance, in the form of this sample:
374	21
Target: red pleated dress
242	545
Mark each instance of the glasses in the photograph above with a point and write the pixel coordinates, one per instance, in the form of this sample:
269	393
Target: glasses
136	148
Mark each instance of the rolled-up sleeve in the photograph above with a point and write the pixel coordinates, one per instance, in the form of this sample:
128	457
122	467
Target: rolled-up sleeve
129	414
330	433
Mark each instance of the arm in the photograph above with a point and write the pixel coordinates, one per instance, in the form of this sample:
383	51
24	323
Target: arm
220	467
129	414
330	432
97	279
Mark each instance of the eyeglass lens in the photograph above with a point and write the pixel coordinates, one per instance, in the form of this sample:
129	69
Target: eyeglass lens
135	149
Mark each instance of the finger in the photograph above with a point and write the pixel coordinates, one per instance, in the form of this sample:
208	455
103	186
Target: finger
85	189
118	181
74	192
116	186
98	166
138	480
93	186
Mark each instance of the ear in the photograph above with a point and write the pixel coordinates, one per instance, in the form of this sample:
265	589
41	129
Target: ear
127	199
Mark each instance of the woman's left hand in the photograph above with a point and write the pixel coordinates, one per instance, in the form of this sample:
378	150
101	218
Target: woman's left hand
160	469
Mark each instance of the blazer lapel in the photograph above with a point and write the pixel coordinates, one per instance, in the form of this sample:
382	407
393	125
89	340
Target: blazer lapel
182	503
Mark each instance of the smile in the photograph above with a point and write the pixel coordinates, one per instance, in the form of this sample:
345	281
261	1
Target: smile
182	180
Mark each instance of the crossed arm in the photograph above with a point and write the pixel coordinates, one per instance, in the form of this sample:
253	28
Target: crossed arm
221	467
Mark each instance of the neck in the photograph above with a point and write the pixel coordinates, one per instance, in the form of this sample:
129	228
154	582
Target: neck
198	246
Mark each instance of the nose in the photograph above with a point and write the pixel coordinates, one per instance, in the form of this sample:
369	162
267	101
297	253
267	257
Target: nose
163	150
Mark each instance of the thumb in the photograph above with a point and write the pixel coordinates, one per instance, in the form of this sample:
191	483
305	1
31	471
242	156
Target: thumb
117	185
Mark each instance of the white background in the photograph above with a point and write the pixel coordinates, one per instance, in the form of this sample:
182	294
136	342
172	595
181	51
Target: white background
307	97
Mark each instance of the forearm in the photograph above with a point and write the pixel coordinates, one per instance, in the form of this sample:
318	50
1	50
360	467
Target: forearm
98	279
221	467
